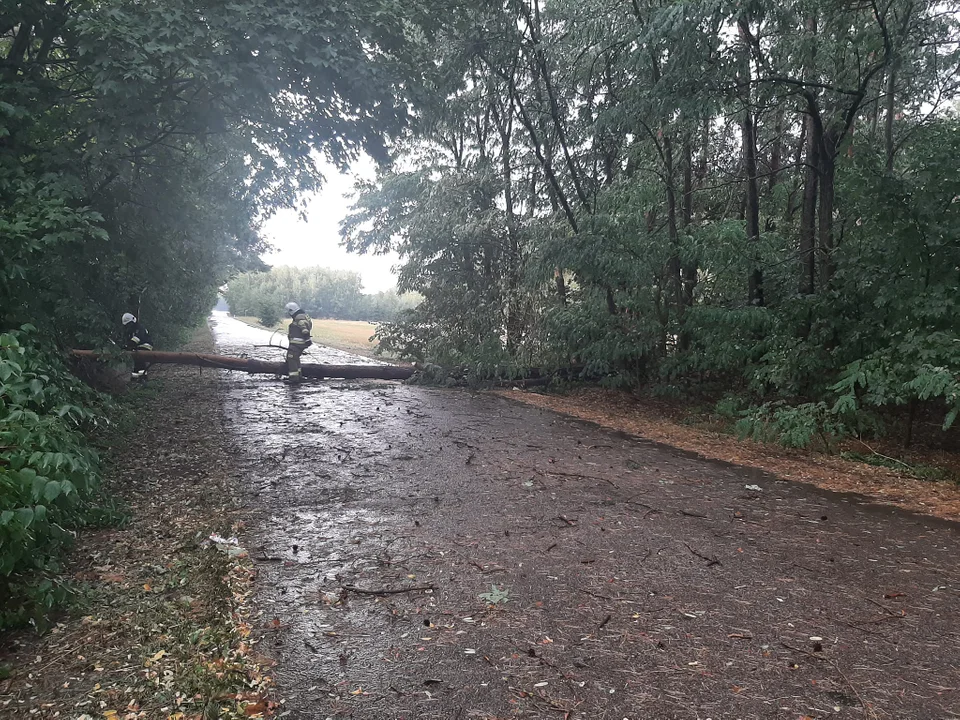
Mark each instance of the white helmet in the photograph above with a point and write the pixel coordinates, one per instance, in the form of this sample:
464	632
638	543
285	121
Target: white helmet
128	318
292	307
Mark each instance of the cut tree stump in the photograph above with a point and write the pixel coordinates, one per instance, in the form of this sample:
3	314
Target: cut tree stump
249	365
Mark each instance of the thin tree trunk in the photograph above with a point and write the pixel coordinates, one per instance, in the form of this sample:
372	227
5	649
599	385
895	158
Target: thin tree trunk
673	264
755	284
889	117
808	211
828	169
688	269
776	151
752	210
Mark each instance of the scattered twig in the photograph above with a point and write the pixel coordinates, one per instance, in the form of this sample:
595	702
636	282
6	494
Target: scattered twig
710	560
885	457
878	620
883	607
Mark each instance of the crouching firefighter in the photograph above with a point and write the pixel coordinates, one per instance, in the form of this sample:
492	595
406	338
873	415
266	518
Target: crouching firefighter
136	337
298	340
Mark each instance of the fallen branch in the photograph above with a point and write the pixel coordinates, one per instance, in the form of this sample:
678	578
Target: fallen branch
387	591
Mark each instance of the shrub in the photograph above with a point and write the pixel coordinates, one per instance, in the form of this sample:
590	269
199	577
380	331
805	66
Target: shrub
49	474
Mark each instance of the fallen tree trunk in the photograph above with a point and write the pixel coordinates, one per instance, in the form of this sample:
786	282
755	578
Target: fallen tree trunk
249	365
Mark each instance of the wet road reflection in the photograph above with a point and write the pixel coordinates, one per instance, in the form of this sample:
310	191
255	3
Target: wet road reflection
640	581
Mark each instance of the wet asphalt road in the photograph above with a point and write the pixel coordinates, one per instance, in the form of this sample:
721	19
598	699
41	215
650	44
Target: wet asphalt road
631	580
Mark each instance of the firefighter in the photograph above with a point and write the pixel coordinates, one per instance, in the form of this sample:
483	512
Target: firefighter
298	340
136	337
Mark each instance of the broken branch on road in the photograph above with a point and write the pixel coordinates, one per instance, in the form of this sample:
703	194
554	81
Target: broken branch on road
387	591
710	560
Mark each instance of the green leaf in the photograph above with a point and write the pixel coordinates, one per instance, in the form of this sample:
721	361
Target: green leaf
52	491
25	516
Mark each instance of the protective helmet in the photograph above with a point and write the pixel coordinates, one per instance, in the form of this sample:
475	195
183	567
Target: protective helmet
128	318
292	307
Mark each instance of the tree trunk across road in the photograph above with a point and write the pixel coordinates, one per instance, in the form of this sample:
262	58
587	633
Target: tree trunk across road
249	365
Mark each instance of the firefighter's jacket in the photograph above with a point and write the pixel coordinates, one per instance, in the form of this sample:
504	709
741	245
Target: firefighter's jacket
298	334
136	337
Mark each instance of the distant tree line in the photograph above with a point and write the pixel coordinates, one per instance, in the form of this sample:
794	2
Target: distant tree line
322	292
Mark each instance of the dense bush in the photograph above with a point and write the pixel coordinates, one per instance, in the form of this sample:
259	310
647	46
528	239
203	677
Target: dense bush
49	475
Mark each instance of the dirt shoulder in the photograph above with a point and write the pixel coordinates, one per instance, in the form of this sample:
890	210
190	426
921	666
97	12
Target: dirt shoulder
159	626
625	413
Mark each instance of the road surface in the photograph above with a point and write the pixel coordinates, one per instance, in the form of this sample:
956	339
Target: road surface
438	554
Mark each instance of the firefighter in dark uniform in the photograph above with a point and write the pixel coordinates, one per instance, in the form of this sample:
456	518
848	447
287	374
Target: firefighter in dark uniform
298	340
136	337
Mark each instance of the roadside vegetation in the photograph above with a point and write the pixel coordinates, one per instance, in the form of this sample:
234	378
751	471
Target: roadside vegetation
757	204
748	204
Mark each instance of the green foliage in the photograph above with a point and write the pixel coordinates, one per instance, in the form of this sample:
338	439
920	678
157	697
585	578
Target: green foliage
49	475
920	472
496	596
575	190
141	147
794	426
268	314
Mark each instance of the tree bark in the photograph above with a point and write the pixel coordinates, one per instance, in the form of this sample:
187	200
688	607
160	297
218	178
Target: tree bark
808	211
688	269
755	283
673	264
776	151
828	171
749	148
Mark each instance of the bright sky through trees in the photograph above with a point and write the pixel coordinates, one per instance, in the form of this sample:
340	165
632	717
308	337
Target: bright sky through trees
316	240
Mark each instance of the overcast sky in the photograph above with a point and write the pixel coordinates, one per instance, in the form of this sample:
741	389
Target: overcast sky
317	241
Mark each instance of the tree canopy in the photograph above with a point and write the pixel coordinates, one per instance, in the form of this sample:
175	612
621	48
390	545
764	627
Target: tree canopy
142	144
